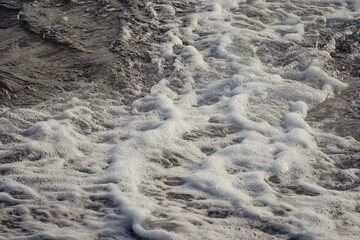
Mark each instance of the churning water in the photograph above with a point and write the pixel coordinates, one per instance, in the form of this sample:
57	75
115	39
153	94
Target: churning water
199	129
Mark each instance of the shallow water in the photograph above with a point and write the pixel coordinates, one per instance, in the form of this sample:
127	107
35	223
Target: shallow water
225	130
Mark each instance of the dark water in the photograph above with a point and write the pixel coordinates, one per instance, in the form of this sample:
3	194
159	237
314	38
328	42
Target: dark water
50	48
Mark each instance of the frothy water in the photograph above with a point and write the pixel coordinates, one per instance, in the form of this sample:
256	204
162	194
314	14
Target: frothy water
218	149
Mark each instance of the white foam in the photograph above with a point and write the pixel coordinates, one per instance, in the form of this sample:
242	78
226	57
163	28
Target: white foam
193	58
218	149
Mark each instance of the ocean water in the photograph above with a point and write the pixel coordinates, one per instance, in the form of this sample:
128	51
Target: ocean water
218	148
